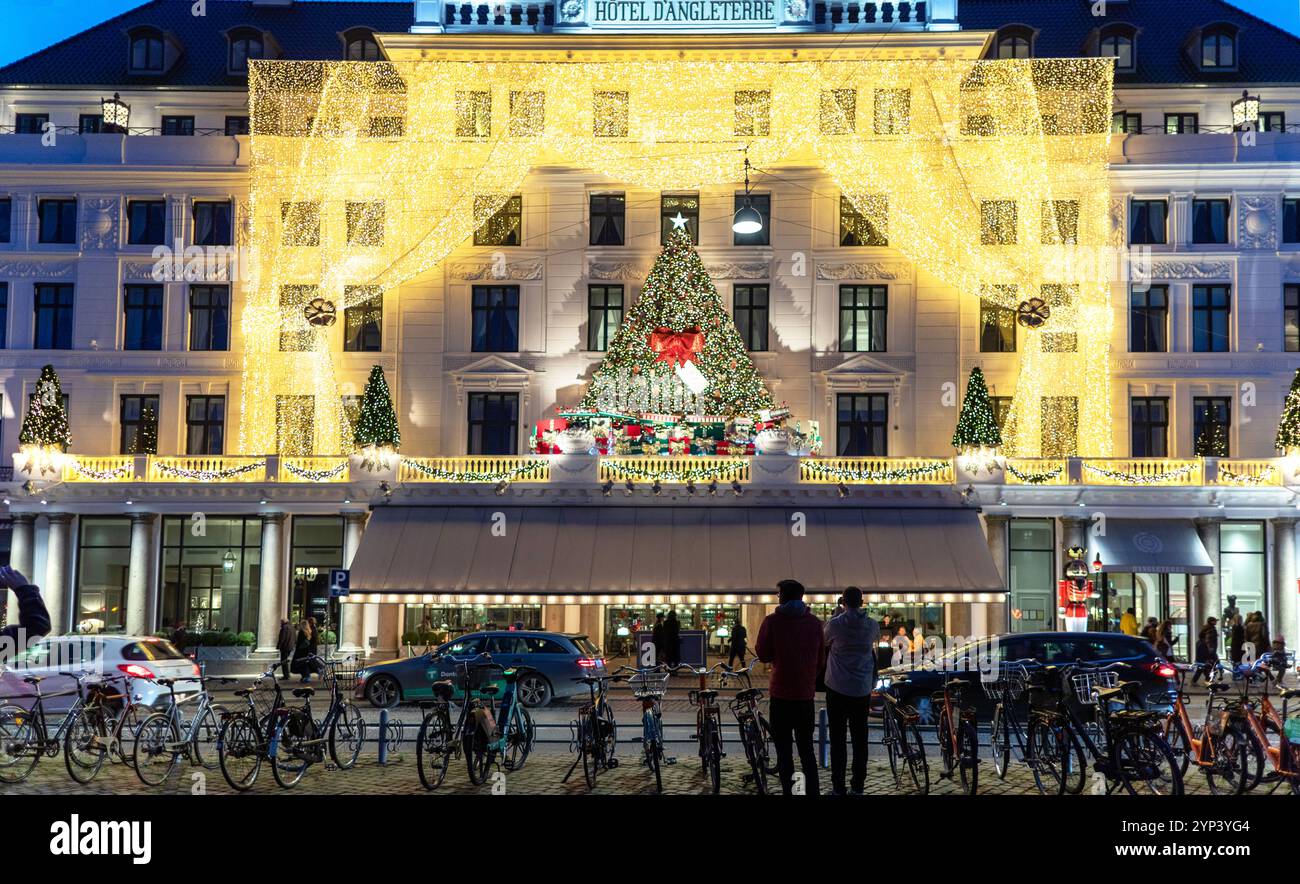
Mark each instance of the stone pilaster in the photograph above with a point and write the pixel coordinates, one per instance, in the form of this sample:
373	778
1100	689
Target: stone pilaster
352	625
271	604
1205	599
22	546
1284	604
58	589
141	600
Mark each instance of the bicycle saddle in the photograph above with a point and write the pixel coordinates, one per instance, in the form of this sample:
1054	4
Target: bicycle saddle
748	694
302	693
1288	693
1218	687
166	682
1103	693
246	692
487	690
705	693
957	683
443	688
34	679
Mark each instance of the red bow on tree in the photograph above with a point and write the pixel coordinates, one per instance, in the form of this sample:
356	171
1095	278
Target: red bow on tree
676	348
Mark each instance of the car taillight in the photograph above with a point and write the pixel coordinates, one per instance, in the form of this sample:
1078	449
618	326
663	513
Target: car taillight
1162	669
589	662
197	671
135	670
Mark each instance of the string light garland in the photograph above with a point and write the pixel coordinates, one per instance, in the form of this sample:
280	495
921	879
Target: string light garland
849	474
721	470
316	475
434	150
208	475
528	470
1034	478
1161	478
110	475
1232	477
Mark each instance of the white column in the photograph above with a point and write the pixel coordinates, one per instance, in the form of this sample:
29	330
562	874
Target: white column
992	618
1205	600
57	587
141	606
352	617
270	597
1285	607
22	546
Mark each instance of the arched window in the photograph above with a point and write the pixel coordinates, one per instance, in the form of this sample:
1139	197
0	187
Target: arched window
361	45
1218	47
245	45
1016	42
1118	44
146	51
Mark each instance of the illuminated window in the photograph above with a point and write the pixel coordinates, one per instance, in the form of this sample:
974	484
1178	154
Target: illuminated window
998	222
365	223
474	114
300	224
604	315
609	114
1211	425
893	111
362	46
132	419
863	318
1290	318
295	334
1060	222
676	206
839	111
1126	122
608	217
1181	124
527	114
504	226
1118	44
857	229
363	322
1218	47
1014	43
997	327
753	113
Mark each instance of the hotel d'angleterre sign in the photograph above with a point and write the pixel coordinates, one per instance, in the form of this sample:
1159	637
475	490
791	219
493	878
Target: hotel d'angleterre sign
683	14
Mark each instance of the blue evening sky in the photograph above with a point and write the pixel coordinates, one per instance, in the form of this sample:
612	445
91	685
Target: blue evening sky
31	25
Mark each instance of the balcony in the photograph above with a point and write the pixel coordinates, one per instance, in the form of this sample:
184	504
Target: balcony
219	150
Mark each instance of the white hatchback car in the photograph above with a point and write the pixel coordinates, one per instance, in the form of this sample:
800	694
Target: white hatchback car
58	660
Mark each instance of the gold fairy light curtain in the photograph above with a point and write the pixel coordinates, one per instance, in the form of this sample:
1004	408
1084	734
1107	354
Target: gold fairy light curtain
989	174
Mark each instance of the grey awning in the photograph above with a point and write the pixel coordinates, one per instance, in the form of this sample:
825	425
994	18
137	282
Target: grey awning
1152	546
624	552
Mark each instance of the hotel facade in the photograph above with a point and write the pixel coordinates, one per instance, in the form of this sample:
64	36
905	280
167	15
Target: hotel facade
134	152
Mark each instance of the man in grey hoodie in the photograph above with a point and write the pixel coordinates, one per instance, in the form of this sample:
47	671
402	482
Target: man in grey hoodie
850	639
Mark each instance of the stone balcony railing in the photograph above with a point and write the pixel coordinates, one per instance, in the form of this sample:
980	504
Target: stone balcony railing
760	469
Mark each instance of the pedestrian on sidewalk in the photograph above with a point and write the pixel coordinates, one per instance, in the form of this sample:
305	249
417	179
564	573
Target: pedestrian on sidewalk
303	664
1256	632
739	644
284	643
850	639
1236	641
1207	649
672	639
791	640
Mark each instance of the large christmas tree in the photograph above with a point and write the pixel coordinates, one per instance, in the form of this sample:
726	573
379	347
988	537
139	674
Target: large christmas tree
1288	427
46	422
977	425
678	351
377	424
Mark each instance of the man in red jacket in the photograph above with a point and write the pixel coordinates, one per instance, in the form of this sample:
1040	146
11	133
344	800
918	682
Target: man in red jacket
791	640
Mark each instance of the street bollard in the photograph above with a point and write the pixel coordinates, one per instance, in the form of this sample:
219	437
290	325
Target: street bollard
823	739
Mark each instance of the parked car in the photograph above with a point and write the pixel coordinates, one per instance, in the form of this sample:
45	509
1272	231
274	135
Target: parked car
916	683
550	662
60	659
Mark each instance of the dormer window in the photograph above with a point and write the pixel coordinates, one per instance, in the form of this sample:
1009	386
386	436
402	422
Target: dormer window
1118	43
245	45
146	51
361	45
1014	42
1218	48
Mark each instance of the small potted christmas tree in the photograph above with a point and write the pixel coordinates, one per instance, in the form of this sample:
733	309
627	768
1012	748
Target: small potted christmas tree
44	438
146	437
376	435
1288	426
977	438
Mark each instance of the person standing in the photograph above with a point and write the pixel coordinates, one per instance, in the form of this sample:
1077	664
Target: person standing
850	639
739	643
672	639
1256	632
302	662
791	640
657	638
1128	623
1236	641
284	643
1207	648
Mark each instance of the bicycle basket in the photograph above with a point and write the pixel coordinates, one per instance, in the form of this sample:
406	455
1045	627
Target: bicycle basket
263	697
1087	682
649	684
1010	678
478	676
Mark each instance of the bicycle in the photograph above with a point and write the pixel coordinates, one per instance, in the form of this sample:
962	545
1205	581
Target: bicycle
164	737
1276	736
1005	689
245	736
509	735
299	740
649	685
595	732
1125	745
755	733
1219	746
708	723
438	740
902	740
25	736
959	746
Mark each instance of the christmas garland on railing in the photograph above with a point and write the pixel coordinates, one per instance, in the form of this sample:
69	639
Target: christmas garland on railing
209	475
691	474
1229	477
847	474
1034	478
529	470
317	475
1138	479
112	475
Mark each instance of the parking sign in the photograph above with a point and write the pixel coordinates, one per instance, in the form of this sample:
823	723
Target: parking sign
339	578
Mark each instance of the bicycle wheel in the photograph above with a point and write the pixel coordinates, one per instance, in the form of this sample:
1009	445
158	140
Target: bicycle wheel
713	754
433	748
19	744
292	751
1047	751
654	750
157	749
124	728
1000	742
520	736
203	738
1178	744
83	746
347	736
239	752
753	740
769	754
968	756
892	748
947	755
478	752
1231	770
587	748
1145	764
918	766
